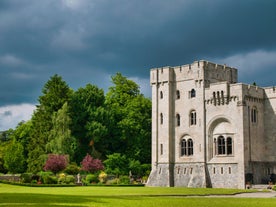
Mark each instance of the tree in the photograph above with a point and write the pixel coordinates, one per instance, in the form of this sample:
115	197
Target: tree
14	160
88	121
61	140
55	93
117	164
56	163
22	134
89	164
129	119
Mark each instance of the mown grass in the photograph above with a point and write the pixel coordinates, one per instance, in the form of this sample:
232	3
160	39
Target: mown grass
123	196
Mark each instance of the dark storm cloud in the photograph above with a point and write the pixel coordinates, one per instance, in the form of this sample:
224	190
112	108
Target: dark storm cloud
87	41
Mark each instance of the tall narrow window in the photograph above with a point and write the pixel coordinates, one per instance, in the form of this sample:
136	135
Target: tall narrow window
161	149
161	118
183	147
161	95
177	120
177	94
190	147
193	93
193	118
229	145
254	115
221	145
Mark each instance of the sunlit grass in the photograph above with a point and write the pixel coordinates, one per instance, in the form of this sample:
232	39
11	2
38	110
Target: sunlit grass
122	196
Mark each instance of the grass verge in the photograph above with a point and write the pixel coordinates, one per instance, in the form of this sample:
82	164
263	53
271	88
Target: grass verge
11	195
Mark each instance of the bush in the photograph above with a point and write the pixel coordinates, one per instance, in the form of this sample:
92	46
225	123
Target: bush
66	179
124	180
114	181
70	179
102	177
48	178
89	164
56	163
26	177
91	178
72	169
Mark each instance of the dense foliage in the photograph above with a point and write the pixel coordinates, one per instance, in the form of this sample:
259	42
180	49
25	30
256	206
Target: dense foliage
56	163
89	164
87	126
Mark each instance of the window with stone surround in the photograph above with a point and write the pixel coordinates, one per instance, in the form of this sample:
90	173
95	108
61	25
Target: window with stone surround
254	115
161	118
177	94
193	93
223	145
193	118
177	120
161	94
187	147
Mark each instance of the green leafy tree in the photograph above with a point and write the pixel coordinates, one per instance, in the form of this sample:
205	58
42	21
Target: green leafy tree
22	134
88	121
117	164
3	149
61	140
55	93
129	119
14	160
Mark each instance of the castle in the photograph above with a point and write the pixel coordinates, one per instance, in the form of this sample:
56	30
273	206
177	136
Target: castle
210	131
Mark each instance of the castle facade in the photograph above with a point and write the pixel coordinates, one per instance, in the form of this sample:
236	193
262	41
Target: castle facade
210	131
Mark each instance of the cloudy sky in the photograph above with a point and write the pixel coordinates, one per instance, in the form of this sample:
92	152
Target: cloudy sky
87	41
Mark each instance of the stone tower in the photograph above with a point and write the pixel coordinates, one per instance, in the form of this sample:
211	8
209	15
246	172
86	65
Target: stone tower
205	131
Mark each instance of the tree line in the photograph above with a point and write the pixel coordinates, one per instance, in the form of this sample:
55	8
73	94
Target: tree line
81	122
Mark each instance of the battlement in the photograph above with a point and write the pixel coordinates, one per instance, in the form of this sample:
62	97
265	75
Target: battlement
198	70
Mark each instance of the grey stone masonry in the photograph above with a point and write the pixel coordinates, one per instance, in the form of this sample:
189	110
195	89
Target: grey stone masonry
210	131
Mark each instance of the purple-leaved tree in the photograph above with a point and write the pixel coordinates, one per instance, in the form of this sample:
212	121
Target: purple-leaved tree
56	163
89	164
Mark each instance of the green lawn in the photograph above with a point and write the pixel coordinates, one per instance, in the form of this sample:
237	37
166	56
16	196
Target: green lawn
11	195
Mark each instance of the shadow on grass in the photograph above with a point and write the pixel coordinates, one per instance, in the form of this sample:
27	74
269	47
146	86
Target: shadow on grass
9	199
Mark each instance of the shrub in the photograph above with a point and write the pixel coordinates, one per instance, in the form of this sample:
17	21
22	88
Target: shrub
70	179
26	177
48	178
124	180
102	177
92	178
66	179
72	169
56	163
89	164
114	181
117	164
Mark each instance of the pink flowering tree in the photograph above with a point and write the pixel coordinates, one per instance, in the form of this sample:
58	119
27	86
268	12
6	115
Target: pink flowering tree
56	163
89	164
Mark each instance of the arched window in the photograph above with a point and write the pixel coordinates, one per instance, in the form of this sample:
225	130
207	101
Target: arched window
161	118
177	120
183	147
229	148
221	145
187	147
190	147
177	94
193	93
254	115
161	95
193	118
